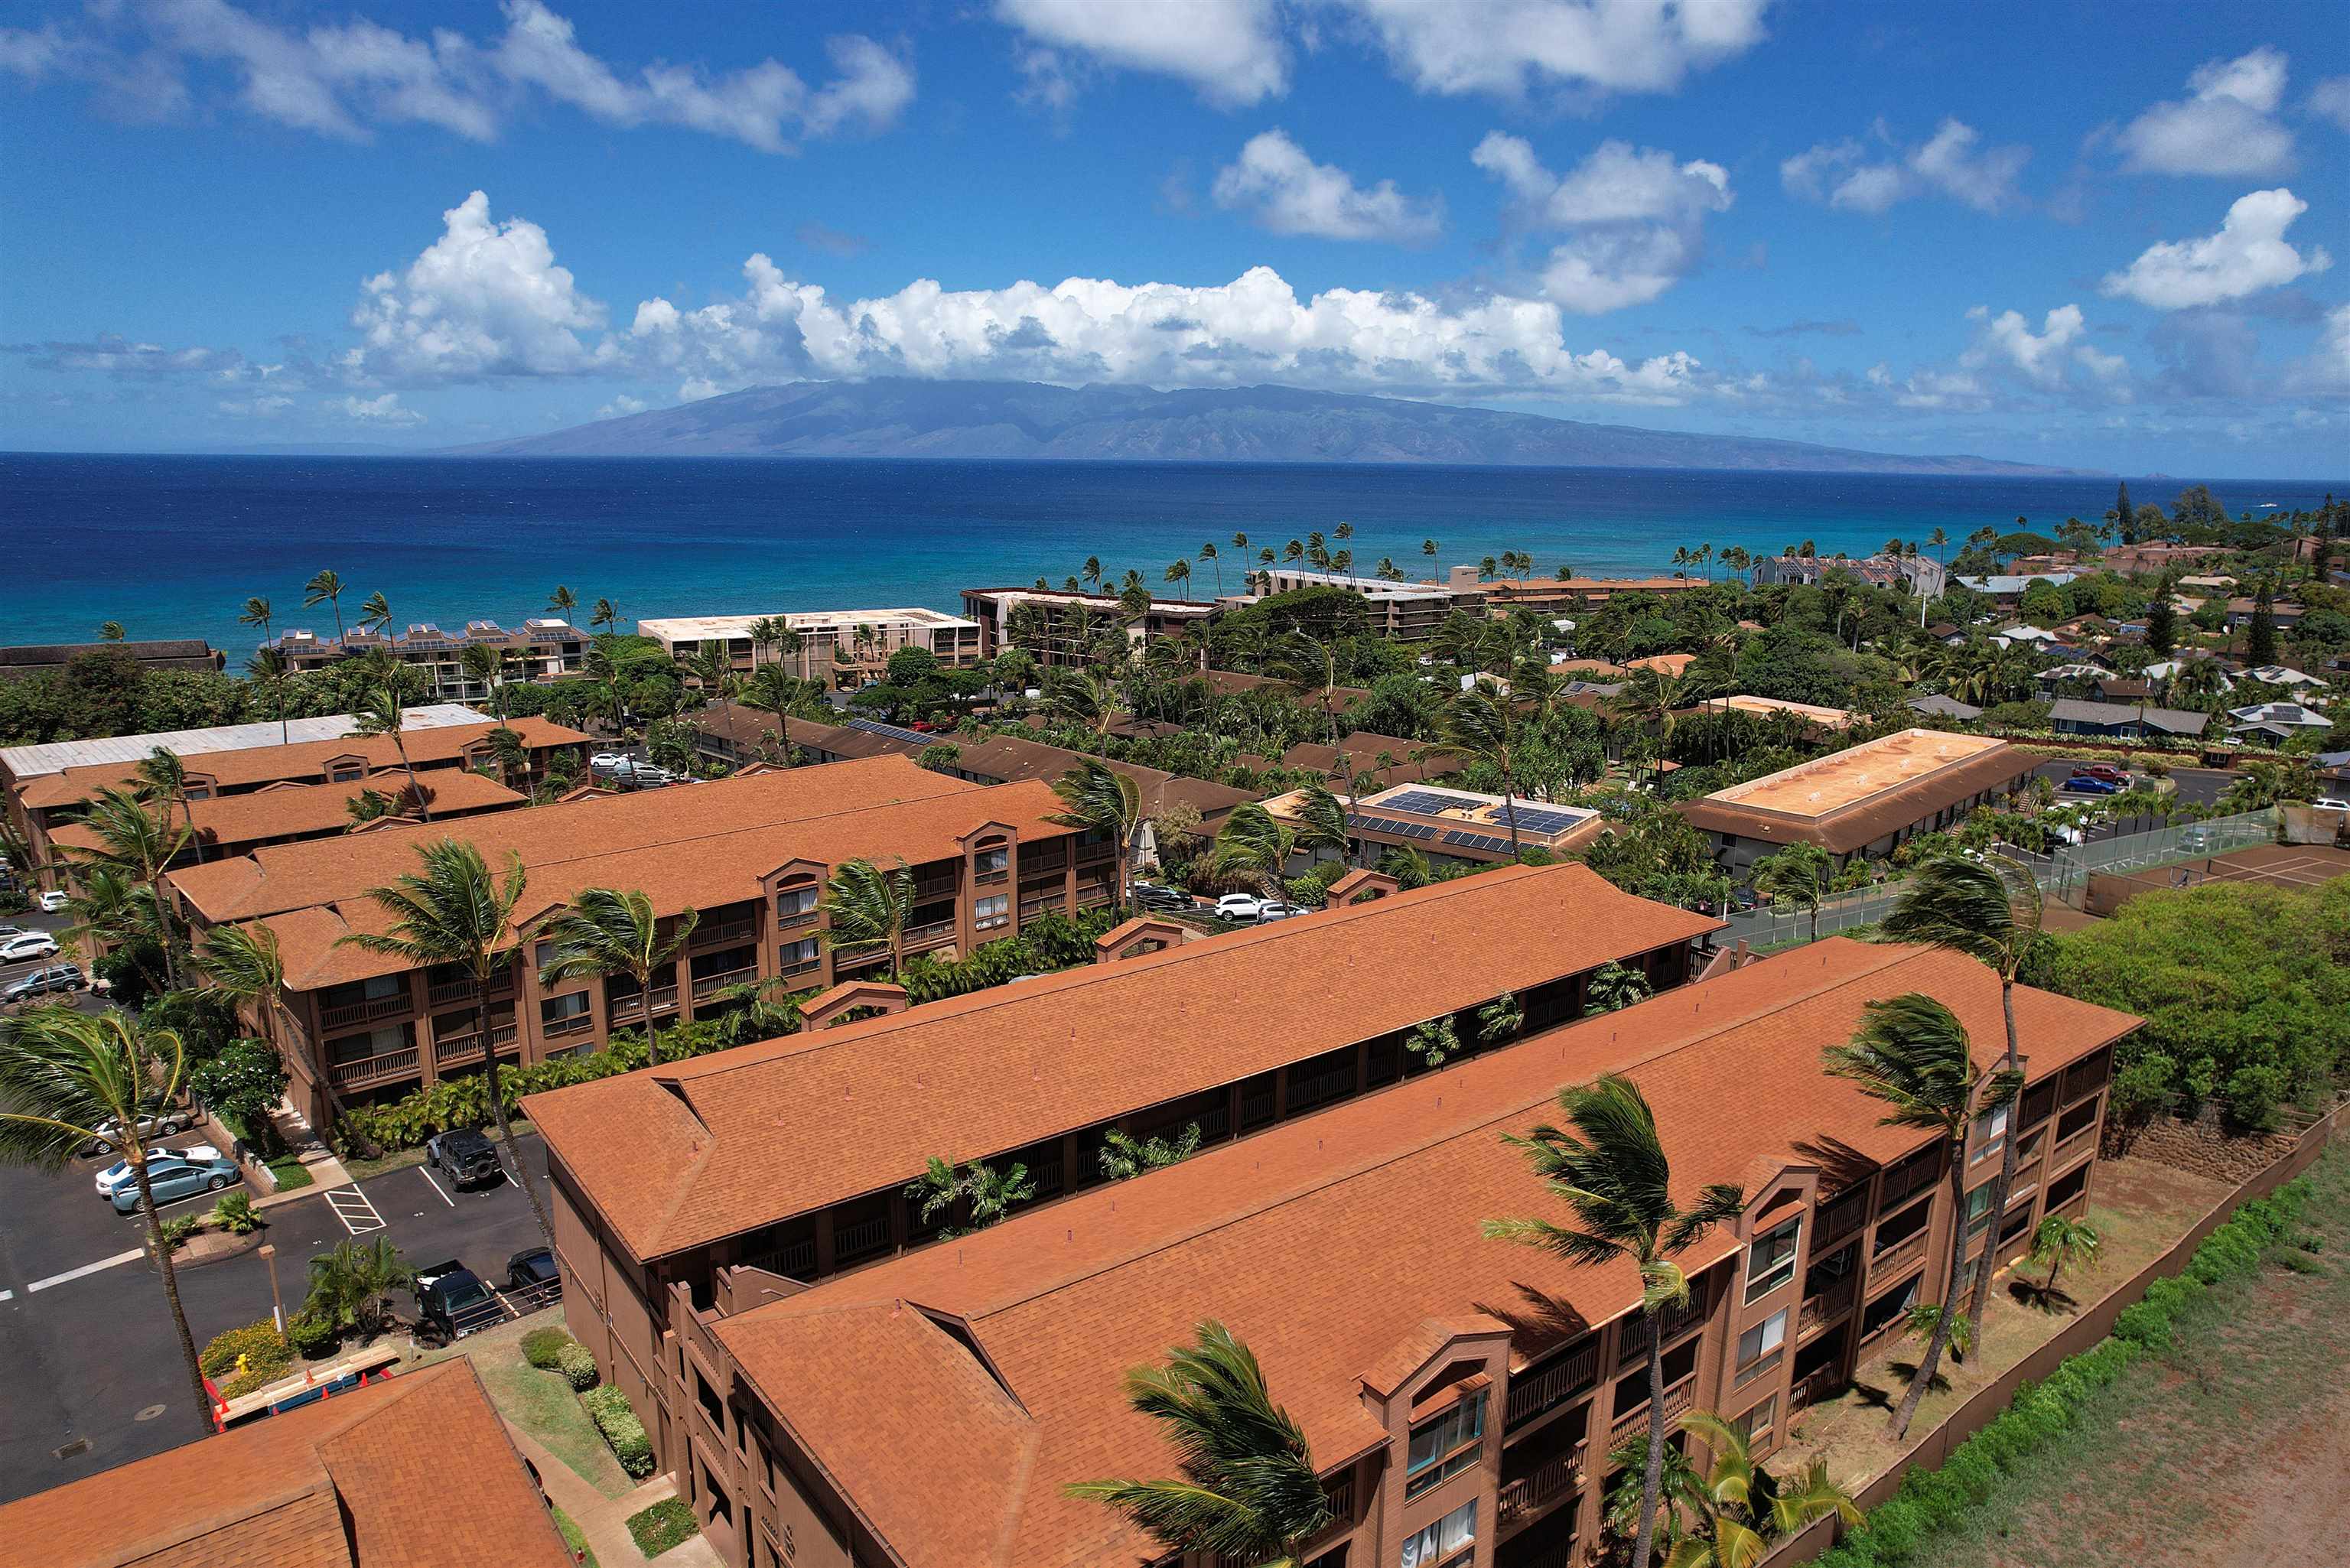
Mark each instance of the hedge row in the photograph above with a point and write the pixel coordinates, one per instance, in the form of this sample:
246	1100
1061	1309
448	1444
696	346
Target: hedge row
613	1416
1899	1529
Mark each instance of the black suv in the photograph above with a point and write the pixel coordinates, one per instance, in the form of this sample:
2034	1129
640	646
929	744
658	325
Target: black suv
451	1302
464	1156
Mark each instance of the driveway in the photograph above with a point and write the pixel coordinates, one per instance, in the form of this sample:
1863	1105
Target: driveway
93	1372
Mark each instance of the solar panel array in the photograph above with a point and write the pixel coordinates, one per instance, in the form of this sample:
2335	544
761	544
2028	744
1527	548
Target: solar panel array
1430	801
1542	819
875	727
1396	825
1478	841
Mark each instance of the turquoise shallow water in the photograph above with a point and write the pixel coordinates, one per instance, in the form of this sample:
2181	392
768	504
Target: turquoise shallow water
172	547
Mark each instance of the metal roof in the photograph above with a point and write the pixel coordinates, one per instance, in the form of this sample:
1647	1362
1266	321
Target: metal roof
55	756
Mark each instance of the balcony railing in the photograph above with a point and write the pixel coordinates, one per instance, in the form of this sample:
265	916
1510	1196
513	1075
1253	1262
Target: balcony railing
1257	1106
1811	1389
366	1012
1904	1253
460	1049
2072	1147
1551	1383
1670	1325
790	968
374	1069
796	1262
854	1243
1321	1088
710	934
709	985
1906	1182
1522	1499
1678	1398
629	1008
1842	1217
554	1028
927	934
1823	1309
462	990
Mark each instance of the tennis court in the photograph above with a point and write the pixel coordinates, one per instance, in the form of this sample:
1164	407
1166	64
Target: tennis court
2280	865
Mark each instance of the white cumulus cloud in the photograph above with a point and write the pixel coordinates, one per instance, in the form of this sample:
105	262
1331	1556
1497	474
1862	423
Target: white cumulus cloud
2247	254
485	299
1872	176
1230	51
2226	125
2330	100
1507	48
379	410
1286	192
1634	217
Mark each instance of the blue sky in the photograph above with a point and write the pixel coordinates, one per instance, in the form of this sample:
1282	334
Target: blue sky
2109	236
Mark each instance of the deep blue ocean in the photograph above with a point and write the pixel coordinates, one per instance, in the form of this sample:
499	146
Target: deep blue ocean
172	547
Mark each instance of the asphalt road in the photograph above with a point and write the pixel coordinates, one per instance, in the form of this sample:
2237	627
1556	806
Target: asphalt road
93	1374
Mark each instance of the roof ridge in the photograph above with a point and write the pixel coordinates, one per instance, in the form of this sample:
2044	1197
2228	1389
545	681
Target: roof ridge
1863	970
1078	975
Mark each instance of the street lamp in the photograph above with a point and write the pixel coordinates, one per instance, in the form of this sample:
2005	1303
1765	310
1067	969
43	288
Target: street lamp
276	1306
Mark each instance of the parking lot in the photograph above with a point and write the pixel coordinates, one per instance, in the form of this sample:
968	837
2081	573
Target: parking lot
94	1372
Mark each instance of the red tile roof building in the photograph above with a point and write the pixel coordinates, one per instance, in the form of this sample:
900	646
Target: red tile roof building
1345	1250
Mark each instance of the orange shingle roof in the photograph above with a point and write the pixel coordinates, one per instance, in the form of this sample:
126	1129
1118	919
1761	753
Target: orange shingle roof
280	1493
685	1153
689	848
276	810
1325	1243
303	760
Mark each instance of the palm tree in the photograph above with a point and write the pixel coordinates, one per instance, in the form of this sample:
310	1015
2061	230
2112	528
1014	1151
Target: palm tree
108	906
1248	1491
867	910
268	667
1912	1055
1611	1173
242	964
772	631
138	843
562	601
1797	874
1653	700
1990	910
1092	571
1097	798
488	665
1254	848
326	588
1737	1507
454	911
1180	573
1322	824
770	691
2062	1239
66	1074
109	631
377	712
1477	726
607	614
1207	553
374	614
164	777
351	1286
603	932
257	613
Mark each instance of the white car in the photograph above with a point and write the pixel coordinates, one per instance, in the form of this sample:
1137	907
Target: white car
1243	907
54	902
606	762
1276	910
108	1134
2328	802
31	945
119	1174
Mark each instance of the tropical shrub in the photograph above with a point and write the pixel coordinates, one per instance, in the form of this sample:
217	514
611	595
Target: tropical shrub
666	1524
577	1365
242	1085
543	1348
313	1333
258	1344
234	1213
177	1231
617	1420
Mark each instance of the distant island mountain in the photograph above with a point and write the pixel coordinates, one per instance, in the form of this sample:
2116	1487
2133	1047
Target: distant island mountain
901	418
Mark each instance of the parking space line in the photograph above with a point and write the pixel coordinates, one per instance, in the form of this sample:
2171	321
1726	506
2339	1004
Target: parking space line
353	1207
119	1258
427	1175
7	1296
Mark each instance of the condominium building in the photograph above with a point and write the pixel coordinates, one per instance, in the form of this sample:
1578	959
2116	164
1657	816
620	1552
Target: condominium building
795	1156
39	802
1450	826
286	813
1460	1396
1915	573
541	651
1400	612
1064	628
1864	800
751	854
1565	596
1814	717
407	1471
839	649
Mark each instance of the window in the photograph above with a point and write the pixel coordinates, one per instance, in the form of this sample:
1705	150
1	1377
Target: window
993	911
542	955
375	1042
1990	1132
1771	1259
557	1010
1979	1209
796	903
1445	1445
1757	1423
993	860
1760	1343
795	954
1445	1543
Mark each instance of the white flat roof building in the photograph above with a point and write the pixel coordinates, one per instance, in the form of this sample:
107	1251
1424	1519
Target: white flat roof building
671	631
20	763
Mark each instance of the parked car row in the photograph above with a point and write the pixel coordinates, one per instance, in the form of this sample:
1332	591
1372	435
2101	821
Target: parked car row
452	1301
174	1178
628	772
1240	909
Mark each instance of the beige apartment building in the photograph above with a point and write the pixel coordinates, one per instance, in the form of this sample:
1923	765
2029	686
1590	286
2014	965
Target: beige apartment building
751	854
1460	1395
842	649
540	650
1067	625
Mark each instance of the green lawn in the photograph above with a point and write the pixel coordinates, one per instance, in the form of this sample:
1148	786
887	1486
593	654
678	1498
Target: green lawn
574	1538
2230	1449
542	1402
666	1524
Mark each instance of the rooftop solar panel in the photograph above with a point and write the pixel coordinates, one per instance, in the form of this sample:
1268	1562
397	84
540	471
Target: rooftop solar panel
875	727
1540	819
1426	801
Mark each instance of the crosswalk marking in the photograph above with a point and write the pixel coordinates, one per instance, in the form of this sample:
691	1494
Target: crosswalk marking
353	1208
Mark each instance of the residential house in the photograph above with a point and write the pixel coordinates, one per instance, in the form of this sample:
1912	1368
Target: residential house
2073	716
1941	707
2273	724
1451	827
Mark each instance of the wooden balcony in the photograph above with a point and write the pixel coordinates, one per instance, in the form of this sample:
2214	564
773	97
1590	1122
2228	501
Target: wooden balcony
449	991
718	933
1545	1387
367	1011
373	1069
1670	1325
709	985
556	1029
630	1009
1321	1088
1902	1255
854	1243
1831	1304
1811	1389
459	1050
1524	1499
1841	1217
2070	1151
796	1262
799	967
928	934
1678	1398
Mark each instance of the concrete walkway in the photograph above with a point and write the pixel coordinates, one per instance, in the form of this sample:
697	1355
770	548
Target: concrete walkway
603	1520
